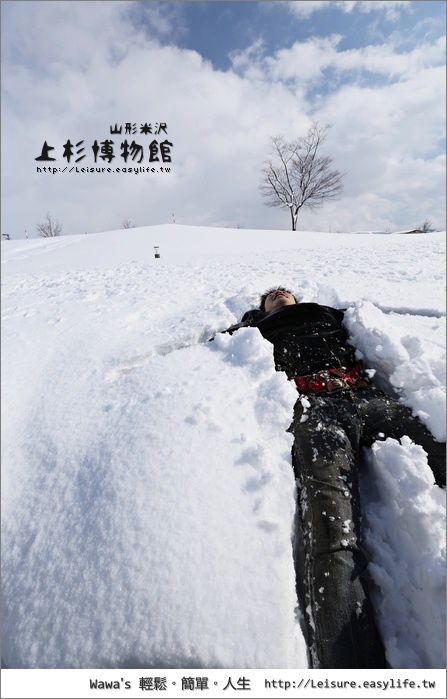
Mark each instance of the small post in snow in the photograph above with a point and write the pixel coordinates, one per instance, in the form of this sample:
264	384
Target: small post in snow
173	218
157	251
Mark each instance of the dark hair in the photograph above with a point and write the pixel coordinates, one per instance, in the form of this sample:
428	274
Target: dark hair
269	291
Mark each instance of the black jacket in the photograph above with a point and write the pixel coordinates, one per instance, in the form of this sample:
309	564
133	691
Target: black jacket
306	337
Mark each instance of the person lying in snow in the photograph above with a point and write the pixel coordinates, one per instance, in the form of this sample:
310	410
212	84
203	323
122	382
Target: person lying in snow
339	412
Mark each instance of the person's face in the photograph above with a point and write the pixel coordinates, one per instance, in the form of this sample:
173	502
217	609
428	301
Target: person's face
278	298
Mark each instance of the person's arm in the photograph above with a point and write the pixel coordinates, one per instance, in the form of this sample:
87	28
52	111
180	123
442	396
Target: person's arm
246	322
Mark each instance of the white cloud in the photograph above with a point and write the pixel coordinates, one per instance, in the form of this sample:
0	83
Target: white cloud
391	8
307	60
306	8
384	59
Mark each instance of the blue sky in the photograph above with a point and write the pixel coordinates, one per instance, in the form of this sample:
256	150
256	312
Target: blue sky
225	77
215	29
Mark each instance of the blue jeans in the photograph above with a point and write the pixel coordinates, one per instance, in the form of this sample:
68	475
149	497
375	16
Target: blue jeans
331	564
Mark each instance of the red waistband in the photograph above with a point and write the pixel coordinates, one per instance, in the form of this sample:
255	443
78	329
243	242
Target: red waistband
329	380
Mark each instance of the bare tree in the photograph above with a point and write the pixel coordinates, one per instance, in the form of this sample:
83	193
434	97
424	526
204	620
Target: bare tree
300	177
128	224
51	229
426	227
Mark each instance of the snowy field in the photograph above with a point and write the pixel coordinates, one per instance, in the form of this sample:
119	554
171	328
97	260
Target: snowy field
147	491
